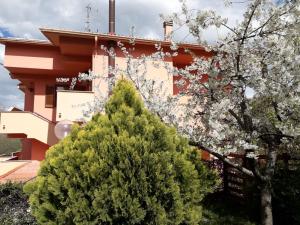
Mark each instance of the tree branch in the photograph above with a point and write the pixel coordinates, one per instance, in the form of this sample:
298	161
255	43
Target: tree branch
257	171
224	159
238	119
276	135
244	37
229	28
275	106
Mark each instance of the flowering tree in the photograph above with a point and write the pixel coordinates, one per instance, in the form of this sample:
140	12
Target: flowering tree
260	54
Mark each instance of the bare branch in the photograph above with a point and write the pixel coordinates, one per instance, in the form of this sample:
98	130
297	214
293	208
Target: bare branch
275	106
229	28
238	119
224	159
276	135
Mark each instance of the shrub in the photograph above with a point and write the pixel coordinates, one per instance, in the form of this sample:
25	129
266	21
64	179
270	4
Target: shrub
14	208
124	167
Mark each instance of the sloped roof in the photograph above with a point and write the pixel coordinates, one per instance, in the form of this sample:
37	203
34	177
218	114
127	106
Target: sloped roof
53	36
5	41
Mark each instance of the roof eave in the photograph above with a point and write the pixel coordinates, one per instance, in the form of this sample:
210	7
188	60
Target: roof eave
6	41
50	32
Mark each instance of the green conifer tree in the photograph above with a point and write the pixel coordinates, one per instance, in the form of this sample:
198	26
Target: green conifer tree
124	167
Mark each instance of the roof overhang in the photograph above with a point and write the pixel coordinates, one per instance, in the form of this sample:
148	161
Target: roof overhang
22	41
73	49
54	36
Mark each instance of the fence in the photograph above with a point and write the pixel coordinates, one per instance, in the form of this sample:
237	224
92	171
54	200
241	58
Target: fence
235	183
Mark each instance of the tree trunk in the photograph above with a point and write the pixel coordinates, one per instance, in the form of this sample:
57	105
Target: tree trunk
266	188
266	205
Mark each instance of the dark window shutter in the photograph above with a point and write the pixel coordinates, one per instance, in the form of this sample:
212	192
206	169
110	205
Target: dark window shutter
50	97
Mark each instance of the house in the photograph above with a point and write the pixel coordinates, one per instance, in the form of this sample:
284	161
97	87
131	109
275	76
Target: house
37	65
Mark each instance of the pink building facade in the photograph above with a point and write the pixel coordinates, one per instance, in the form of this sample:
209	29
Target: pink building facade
37	64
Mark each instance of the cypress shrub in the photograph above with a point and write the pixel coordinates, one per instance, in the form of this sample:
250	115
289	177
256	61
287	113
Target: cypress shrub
123	167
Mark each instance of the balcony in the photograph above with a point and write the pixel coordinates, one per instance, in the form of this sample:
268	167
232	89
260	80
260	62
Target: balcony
27	124
71	105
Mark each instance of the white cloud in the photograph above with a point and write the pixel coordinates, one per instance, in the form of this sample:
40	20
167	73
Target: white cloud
70	14
10	95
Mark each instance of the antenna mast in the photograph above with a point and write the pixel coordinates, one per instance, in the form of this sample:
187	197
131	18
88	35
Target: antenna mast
88	16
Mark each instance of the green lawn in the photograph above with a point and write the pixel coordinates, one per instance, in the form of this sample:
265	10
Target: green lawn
220	210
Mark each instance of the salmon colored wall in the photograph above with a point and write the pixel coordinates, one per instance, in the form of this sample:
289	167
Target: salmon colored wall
33	150
139	50
17	136
46	57
26	150
177	88
40	99
156	73
38	150
76	46
100	68
48	60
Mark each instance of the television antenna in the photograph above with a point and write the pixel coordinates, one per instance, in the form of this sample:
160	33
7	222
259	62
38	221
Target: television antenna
88	17
97	18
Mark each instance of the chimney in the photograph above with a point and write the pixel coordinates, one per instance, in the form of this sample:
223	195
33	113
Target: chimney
168	29
112	16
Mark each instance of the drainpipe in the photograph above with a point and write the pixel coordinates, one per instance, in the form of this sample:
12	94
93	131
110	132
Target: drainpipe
111	44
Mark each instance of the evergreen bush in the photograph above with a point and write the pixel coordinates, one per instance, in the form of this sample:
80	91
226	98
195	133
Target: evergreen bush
123	167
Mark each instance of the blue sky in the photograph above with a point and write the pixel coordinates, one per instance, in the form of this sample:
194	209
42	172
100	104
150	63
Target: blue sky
9	94
4	32
22	19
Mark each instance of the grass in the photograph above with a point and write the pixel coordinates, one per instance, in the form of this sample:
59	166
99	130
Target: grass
8	145
221	210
